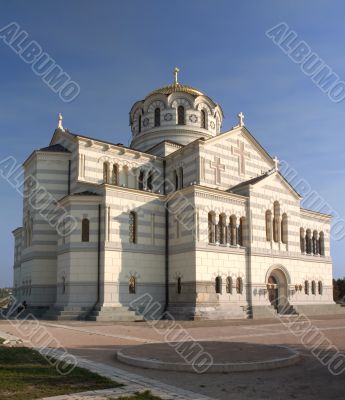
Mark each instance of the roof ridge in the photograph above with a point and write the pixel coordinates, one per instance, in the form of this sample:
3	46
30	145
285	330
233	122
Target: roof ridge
57	147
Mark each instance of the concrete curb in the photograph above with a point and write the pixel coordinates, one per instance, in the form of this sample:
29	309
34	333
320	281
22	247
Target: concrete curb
10	340
152	363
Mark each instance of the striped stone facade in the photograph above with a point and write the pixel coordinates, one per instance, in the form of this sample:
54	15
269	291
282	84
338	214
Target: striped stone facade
181	216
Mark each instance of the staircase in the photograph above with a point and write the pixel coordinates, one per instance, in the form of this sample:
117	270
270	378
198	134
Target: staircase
210	312
268	311
289	311
320	309
100	313
67	313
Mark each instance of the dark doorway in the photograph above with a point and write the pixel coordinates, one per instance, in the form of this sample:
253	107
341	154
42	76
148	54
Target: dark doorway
273	292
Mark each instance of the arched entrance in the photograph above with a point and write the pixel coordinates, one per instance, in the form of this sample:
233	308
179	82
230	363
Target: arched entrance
273	293
277	285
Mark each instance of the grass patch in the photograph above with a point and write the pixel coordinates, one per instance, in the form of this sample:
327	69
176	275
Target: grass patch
26	375
1	340
147	395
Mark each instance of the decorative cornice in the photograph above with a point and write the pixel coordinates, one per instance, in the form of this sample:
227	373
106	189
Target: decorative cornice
316	214
207	192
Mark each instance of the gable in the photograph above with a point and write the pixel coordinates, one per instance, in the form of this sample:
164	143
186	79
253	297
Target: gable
232	158
276	186
64	139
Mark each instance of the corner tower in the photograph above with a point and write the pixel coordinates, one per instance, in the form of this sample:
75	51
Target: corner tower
176	112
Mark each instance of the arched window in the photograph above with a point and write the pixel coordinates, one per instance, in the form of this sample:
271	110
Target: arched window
313	287
149	180
141	180
179	285
322	244
320	287
106	172
229	284
115	174
203	119
222	229
132	285
239	285
241	231
180	115
315	243
31	230
284	230
63	285
268	218
181	177
25	235
176	179
177	228
28	227
211	228
233	230
85	230
302	240
276	222
125	175
132	227
139	124
308	241
157	116
218	284
306	287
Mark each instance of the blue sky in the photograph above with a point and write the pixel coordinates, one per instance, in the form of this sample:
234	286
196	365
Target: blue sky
118	51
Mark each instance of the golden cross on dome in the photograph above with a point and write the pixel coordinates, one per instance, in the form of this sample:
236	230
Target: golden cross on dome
176	71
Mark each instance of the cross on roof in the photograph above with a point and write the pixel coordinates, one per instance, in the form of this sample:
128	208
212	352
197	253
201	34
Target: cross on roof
240	119
176	71
60	122
276	163
242	156
218	167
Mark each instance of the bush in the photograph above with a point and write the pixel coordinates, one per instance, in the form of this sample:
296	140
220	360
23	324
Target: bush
338	289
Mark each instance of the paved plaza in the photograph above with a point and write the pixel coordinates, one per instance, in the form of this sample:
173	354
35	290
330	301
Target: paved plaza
308	379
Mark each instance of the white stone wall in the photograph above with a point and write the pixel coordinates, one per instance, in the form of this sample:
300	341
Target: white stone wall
92	155
224	147
49	183
77	265
144	259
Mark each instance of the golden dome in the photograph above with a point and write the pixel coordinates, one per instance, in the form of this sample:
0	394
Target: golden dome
177	87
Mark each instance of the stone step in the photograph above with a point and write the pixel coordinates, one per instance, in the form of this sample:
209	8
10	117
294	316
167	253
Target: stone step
119	313
67	313
111	309
207	313
113	314
127	318
320	309
57	317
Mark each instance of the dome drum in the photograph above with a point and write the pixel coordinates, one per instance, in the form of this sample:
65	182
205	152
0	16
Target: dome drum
175	112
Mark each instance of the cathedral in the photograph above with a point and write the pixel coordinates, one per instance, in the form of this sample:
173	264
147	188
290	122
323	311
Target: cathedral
197	219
